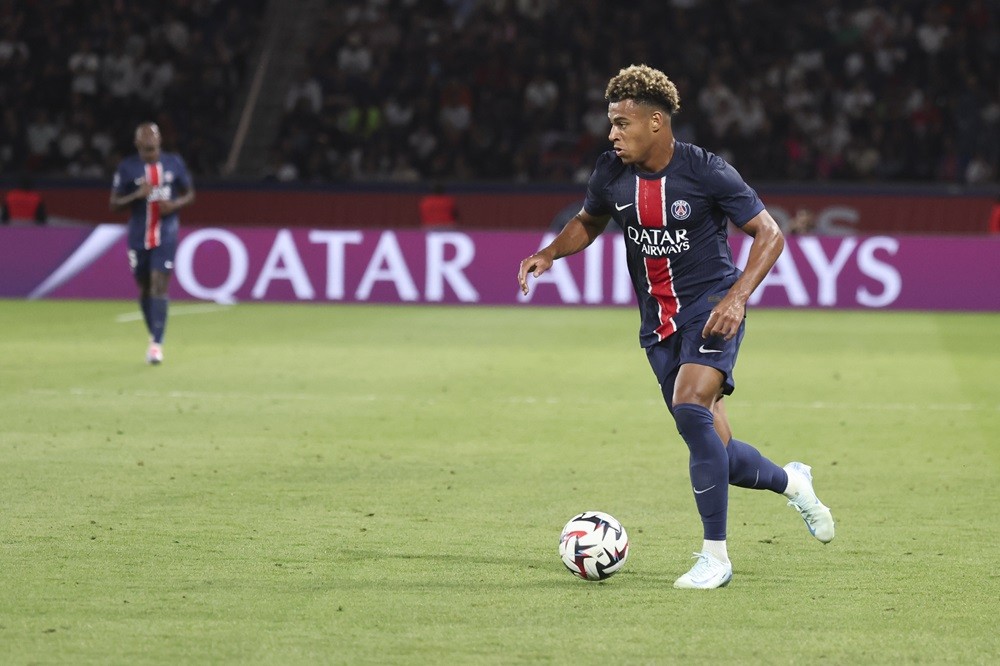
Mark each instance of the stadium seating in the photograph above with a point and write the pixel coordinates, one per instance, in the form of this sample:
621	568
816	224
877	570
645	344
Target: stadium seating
511	90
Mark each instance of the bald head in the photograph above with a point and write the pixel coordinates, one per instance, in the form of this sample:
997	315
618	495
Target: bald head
147	142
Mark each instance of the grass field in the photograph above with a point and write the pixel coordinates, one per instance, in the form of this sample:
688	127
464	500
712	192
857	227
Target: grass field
386	485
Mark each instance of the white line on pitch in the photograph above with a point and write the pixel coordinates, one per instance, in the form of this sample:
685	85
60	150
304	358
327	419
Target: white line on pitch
176	310
520	400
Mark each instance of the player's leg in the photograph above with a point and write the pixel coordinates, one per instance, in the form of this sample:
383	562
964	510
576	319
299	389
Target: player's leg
157	315
747	467
158	284
695	392
705	375
161	265
690	390
138	261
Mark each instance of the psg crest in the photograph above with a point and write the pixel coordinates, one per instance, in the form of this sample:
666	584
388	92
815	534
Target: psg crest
680	209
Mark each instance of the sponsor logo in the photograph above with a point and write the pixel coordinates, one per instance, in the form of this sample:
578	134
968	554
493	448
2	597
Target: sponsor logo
703	490
620	208
680	209
704	350
659	241
160	193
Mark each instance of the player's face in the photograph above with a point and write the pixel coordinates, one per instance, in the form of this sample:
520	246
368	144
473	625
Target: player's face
632	132
148	145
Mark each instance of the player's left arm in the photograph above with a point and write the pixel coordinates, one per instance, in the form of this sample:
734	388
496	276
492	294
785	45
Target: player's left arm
172	206
768	242
186	198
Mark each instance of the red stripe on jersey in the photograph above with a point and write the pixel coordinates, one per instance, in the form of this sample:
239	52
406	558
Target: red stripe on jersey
652	209
154	176
661	288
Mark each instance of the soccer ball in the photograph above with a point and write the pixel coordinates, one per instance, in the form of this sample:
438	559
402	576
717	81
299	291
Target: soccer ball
593	545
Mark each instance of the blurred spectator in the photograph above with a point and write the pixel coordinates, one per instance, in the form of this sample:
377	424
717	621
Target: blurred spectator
854	90
42	135
979	171
71	70
84	65
354	58
306	88
23	204
802	223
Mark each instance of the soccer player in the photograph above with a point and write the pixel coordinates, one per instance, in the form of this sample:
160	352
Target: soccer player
672	201
154	185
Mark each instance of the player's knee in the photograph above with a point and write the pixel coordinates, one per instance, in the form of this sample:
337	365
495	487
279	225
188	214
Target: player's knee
692	395
158	285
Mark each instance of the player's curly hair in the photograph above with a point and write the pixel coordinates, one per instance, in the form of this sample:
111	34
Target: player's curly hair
642	83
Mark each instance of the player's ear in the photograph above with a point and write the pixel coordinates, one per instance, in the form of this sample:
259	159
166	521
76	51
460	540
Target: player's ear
656	121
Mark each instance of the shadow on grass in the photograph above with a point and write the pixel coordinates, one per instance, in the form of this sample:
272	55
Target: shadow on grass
454	570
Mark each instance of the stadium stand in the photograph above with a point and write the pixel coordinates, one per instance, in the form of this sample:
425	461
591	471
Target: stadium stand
447	90
853	90
76	77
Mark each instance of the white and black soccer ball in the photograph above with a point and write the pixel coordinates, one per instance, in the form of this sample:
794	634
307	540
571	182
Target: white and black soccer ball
593	545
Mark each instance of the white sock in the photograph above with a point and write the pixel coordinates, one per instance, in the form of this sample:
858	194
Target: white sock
792	489
716	549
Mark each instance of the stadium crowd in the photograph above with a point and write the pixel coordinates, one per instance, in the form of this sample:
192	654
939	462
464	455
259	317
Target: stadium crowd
432	90
76	78
857	90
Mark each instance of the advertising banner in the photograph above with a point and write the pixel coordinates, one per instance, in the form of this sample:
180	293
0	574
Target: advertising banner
229	265
834	211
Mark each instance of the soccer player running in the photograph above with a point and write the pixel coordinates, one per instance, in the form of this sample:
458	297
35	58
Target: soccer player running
154	185
672	201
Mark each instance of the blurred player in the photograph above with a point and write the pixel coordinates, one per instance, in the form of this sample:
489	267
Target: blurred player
154	186
672	201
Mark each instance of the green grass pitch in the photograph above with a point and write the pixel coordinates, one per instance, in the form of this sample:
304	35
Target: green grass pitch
303	484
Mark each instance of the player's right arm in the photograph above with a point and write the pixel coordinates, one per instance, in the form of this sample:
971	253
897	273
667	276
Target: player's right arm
576	236
121	200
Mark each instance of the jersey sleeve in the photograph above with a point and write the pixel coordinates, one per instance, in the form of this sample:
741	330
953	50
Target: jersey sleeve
737	200
596	202
183	177
120	184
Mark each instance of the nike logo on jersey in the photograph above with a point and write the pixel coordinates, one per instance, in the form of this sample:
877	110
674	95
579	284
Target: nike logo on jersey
699	492
621	208
703	350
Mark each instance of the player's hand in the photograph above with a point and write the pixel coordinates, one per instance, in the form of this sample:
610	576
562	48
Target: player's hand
144	190
167	207
536	264
725	318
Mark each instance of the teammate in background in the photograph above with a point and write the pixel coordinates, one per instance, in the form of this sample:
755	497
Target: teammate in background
23	204
154	186
672	200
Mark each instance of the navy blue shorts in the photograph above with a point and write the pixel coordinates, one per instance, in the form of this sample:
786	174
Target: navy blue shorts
160	259
687	346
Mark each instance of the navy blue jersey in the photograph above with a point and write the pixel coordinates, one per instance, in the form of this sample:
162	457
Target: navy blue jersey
169	177
675	231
